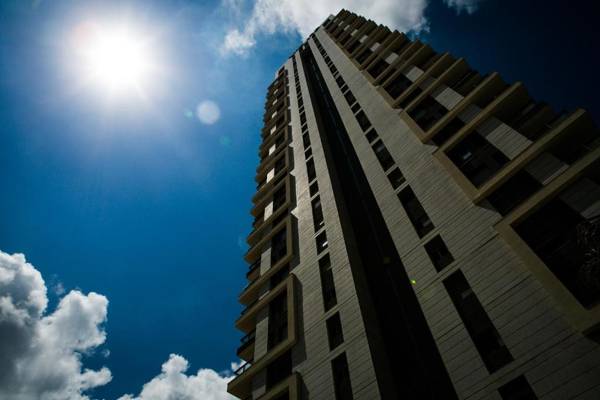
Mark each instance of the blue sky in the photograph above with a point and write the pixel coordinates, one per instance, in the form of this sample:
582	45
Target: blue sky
138	200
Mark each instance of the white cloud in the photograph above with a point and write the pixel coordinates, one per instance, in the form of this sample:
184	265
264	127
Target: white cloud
303	16
469	6
208	112
174	383
41	352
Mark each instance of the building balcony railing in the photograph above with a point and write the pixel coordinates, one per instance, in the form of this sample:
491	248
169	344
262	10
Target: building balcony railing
246	349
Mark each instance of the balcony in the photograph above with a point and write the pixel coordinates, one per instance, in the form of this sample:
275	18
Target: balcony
246	349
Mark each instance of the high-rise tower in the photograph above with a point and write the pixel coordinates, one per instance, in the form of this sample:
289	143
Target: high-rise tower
421	231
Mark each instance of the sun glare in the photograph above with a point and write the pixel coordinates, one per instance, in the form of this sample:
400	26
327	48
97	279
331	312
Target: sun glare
115	59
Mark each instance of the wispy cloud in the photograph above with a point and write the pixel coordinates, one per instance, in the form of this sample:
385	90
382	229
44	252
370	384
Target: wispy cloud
469	6
303	16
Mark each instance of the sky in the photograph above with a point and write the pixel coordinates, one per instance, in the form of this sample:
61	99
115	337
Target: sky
123	214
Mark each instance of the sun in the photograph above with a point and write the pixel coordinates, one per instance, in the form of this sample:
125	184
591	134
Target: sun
115	59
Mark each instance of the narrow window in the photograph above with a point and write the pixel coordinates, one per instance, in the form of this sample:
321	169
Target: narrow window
317	211
438	253
308	153
383	155
302	118
486	338
334	331
341	378
427	113
517	389
396	178
278	246
310	170
322	243
355	108
396	87
313	188
306	140
327	284
371	135
277	330
350	97
417	215
279	369
363	121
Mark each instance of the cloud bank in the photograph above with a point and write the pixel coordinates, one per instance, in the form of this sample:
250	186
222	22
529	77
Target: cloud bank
303	16
41	352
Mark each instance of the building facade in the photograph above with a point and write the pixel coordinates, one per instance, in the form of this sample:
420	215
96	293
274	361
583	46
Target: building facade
421	231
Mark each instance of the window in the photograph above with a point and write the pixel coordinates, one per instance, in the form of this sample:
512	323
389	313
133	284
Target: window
341	378
353	46
557	232
378	68
438	253
396	178
302	118
344	88
513	192
488	342
411	96
362	57
465	83
517	389
355	108
279	276
327	284
310	170
371	135
340	81
279	369
317	211
383	155
306	140
350	97
308	153
313	188
427	113
322	243
279	198
417	215
278	246
477	158
396	87
277	326
363	121
334	331
449	130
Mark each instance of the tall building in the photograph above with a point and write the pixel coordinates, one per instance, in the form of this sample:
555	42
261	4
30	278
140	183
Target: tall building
421	231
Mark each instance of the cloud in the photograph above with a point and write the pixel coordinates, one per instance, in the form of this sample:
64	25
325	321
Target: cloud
174	383
41	352
303	16
469	6
208	112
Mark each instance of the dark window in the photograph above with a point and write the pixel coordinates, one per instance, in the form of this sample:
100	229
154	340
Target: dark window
317	211
279	276
302	118
322	243
513	192
279	198
362	57
327	284
279	369
565	240
575	145
277	320
341	378
340	81
488	342
308	153
411	96
417	215
344	88
279	165
465	83
438	253
350	98
355	108
396	87
353	46
427	113
517	389
278	246
310	170
334	331
371	135
383	155
449	130
477	158
396	178
304	129
378	68
313	188
363	121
